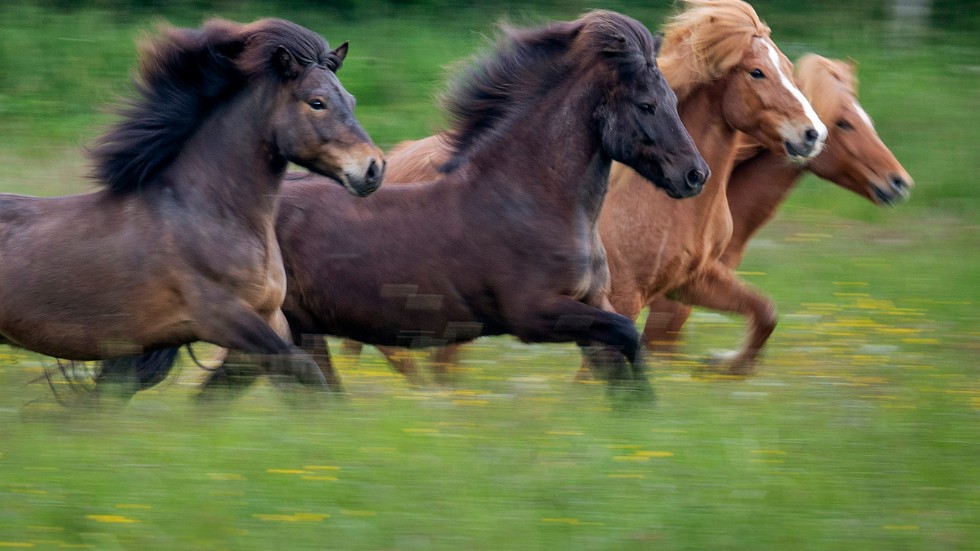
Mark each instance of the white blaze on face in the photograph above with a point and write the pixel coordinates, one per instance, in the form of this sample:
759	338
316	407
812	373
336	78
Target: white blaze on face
788	84
863	114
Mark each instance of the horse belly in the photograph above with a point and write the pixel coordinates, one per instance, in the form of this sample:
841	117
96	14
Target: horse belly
99	325
410	331
67	338
83	306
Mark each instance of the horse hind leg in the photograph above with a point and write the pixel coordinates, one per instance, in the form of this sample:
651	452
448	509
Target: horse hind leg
719	289
397	359
402	362
445	363
665	319
445	360
352	347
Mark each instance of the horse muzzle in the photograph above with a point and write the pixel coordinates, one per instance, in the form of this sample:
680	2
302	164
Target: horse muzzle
805	144
367	182
691	185
897	190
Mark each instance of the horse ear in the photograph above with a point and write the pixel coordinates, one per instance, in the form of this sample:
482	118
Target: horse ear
341	51
658	41
285	63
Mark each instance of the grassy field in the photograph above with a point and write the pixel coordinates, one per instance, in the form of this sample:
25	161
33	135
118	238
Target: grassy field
861	430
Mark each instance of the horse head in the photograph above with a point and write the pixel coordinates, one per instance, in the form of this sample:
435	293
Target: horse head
855	157
637	116
724	42
313	119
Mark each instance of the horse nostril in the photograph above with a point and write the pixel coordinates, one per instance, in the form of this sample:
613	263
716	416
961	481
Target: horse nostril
373	171
810	136
897	182
695	178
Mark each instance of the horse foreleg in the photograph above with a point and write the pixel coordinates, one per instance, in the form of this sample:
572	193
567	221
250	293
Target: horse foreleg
253	340
719	289
296	361
589	369
316	347
403	363
564	319
237	372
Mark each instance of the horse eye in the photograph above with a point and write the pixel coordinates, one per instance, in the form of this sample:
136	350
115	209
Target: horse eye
317	105
844	125
645	107
757	73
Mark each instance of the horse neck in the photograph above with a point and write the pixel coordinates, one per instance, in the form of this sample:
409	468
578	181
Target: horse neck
756	189
550	155
701	113
230	164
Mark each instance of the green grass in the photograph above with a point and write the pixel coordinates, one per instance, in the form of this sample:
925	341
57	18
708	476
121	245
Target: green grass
860	429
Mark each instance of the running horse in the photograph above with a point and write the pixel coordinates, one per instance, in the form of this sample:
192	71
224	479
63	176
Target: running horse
731	81
501	241
854	158
730	78
178	245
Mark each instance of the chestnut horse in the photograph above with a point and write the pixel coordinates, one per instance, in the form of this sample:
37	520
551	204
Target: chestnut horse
502	242
729	77
855	158
179	245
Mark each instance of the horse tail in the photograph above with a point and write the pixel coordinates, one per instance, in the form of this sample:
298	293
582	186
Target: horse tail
150	368
153	367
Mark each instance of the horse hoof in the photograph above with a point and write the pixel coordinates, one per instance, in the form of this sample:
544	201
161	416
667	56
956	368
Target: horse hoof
731	363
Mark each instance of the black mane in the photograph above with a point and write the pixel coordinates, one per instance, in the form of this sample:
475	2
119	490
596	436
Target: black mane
185	74
527	62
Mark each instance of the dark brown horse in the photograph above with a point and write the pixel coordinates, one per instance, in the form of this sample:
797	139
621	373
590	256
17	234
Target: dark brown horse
179	246
730	78
854	158
503	241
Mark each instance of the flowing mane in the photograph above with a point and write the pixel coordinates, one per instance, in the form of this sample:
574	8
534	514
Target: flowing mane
706	40
495	89
828	84
184	75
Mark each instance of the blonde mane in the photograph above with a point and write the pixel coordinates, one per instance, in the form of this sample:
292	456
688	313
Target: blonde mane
828	84
706	40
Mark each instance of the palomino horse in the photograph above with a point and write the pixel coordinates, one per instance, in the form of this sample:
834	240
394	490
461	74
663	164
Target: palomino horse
729	77
855	158
179	244
502	241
